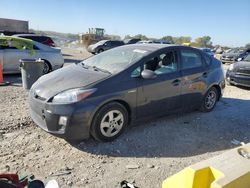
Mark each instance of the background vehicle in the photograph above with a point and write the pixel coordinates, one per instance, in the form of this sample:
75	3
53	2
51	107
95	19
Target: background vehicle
239	73
145	42
104	45
131	41
42	39
208	51
233	55
153	42
10	56
104	93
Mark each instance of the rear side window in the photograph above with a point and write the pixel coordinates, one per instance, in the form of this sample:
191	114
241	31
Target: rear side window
190	59
207	59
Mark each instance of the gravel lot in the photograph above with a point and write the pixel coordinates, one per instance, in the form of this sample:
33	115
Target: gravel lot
145	154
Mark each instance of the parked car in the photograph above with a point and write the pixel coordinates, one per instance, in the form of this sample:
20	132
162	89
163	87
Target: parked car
208	51
153	42
233	55
10	56
105	93
239	73
131	41
104	45
145	42
38	38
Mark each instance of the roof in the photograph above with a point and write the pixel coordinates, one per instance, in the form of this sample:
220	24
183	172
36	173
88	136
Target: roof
149	47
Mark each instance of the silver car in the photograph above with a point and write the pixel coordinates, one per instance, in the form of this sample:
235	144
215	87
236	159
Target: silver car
10	56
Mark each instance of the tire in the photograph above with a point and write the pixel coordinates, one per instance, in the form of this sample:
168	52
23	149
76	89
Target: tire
109	122
47	67
100	50
209	101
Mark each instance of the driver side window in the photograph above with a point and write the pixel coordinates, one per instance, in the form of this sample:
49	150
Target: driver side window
163	63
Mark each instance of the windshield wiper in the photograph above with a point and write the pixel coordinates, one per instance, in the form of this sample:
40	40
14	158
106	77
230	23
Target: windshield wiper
84	66
100	69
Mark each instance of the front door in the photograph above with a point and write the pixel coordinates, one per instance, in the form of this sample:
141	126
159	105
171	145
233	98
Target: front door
160	95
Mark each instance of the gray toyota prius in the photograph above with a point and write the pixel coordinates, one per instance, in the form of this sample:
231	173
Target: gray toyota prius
105	93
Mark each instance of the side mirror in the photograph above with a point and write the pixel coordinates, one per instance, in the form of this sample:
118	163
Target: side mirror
148	74
239	59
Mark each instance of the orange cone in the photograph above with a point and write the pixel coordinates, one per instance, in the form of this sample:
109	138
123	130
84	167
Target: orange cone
2	82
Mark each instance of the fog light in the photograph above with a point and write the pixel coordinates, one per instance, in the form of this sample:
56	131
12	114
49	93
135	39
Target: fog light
63	120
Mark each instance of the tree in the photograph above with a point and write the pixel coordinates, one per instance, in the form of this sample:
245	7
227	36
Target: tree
128	37
140	36
204	41
182	39
168	39
247	45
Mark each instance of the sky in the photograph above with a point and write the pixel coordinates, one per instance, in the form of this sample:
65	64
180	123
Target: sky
227	22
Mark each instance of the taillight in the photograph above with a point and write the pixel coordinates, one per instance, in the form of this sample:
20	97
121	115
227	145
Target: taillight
50	42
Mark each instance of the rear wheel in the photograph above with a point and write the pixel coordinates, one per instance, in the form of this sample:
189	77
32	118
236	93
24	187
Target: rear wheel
100	50
47	67
209	100
109	122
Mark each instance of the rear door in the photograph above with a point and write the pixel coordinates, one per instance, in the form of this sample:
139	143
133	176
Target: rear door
160	95
194	74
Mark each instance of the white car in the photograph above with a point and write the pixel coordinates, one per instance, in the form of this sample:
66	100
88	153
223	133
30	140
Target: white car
10	56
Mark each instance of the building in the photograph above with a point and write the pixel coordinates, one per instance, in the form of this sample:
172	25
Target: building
10	26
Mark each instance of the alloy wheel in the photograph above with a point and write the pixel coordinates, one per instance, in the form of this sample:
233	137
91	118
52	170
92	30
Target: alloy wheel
112	122
210	99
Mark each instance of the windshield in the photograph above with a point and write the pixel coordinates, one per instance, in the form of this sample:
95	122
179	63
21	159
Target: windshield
234	51
247	58
115	60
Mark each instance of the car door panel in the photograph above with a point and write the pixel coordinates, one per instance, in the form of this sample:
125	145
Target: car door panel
193	86
11	59
158	96
1	58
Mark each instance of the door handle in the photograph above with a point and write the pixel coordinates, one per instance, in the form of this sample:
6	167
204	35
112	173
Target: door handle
204	74
176	82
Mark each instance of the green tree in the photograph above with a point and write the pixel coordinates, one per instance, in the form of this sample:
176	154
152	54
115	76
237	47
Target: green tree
182	39
204	41
140	36
128	37
247	45
168	39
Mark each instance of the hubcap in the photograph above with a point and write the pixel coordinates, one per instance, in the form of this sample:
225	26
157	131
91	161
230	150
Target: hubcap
210	100
45	68
112	123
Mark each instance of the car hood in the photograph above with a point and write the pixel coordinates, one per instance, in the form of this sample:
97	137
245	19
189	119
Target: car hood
243	64
93	46
69	77
230	54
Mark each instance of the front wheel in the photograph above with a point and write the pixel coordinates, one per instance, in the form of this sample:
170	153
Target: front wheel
109	122
209	100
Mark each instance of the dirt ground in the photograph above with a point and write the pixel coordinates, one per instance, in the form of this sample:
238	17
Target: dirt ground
145	154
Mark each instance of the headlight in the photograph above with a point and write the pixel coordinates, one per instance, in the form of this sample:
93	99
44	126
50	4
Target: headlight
231	67
72	95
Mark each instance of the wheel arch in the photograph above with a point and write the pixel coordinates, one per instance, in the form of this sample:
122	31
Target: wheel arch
50	65
120	101
218	88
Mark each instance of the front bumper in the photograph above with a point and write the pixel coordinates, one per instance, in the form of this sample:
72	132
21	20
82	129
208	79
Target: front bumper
47	116
238	79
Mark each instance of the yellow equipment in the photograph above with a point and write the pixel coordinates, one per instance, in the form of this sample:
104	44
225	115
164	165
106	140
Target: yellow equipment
229	170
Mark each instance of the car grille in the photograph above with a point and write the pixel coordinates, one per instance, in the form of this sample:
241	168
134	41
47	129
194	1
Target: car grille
243	71
227	58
